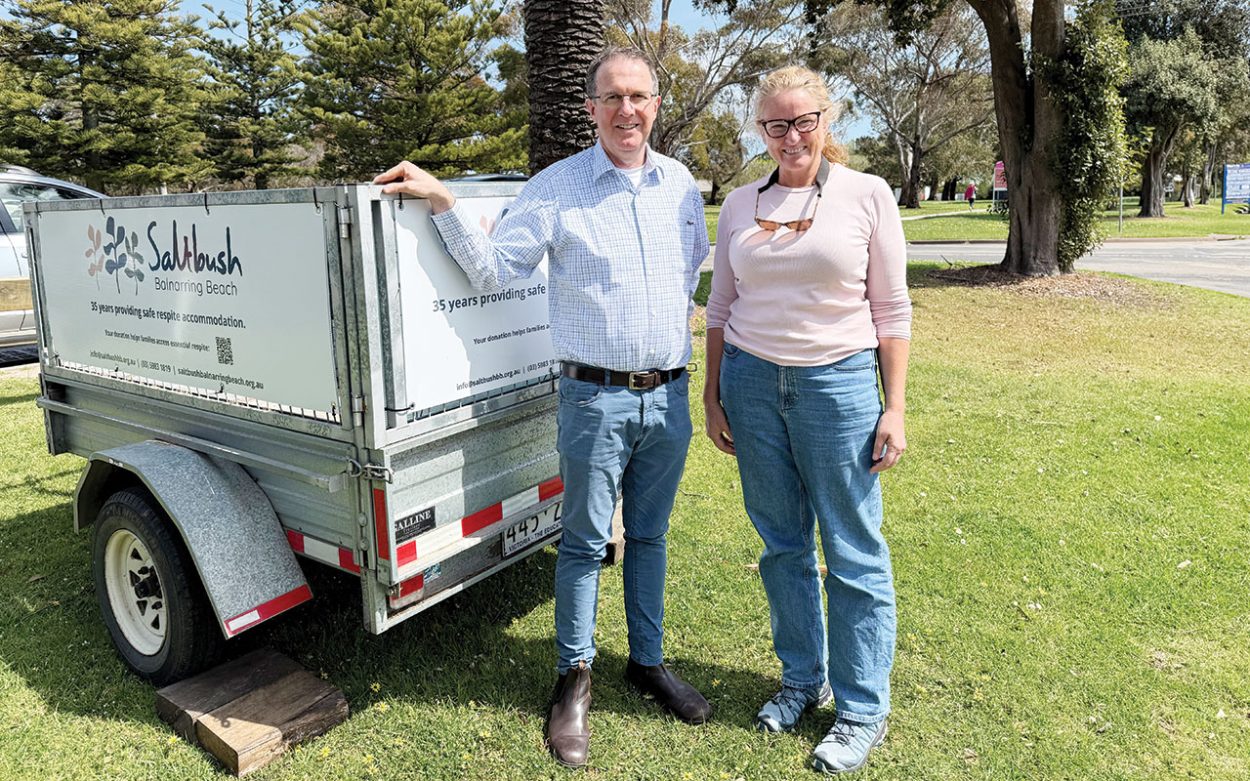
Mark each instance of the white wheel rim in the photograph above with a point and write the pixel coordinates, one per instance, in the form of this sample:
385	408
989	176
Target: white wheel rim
134	591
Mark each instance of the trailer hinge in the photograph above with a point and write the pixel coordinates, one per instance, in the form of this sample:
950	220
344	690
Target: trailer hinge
378	472
345	222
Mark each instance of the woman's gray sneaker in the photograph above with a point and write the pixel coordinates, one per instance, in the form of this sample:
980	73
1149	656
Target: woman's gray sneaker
846	746
782	712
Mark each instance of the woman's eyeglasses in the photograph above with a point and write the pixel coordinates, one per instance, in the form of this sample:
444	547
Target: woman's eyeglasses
805	223
777	128
794	225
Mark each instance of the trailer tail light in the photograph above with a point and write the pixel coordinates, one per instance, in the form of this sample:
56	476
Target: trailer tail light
380	524
408	592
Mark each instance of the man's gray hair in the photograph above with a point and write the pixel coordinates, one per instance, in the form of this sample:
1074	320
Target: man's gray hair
624	52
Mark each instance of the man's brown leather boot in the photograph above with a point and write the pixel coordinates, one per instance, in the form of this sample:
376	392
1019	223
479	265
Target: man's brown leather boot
568	726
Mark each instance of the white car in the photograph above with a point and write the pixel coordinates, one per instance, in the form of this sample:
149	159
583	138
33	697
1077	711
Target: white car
17	184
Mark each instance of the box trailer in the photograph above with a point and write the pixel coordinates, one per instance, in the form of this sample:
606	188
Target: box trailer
259	376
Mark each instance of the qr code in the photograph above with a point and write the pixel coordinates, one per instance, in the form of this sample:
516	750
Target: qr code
224	353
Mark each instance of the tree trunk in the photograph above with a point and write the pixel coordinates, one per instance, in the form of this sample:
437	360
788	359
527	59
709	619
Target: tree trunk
904	167
93	175
1028	130
1187	187
913	180
562	37
949	189
1208	171
1153	169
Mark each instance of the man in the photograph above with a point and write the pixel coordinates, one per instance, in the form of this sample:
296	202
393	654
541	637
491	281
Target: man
623	230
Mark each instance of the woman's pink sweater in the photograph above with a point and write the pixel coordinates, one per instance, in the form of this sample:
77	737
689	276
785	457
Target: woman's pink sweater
815	297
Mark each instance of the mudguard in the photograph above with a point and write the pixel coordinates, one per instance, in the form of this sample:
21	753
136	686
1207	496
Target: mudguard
231	531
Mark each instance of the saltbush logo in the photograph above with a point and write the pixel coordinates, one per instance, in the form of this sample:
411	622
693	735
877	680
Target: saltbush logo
115	249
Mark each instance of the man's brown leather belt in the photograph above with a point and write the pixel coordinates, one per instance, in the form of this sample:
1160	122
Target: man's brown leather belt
632	380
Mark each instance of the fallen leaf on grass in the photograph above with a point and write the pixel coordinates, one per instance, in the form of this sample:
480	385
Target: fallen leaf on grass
35	578
1184	564
970	756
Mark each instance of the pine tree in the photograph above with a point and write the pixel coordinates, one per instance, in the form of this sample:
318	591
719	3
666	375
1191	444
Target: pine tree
252	128
105	92
388	80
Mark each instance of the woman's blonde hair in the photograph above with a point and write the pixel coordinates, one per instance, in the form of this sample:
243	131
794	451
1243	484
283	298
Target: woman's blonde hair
796	77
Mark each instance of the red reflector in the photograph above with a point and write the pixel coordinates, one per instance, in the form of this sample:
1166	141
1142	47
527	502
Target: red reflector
347	561
411	584
296	540
380	524
481	519
268	610
551	488
406	553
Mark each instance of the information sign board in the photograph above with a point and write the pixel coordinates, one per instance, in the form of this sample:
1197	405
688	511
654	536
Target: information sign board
1236	184
233	301
460	342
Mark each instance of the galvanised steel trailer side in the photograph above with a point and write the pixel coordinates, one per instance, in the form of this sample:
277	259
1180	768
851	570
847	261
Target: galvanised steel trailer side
228	430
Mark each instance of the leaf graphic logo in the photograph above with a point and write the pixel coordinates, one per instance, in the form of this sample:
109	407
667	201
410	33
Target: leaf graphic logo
111	250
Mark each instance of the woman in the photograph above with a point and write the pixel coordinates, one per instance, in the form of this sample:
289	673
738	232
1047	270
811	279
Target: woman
808	293
970	195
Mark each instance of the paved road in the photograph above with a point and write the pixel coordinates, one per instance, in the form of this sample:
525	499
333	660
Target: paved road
1214	265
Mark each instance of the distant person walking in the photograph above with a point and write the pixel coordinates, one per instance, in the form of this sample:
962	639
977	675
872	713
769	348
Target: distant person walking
970	195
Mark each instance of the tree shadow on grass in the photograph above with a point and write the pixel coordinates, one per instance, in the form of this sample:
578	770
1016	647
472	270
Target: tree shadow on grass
937	274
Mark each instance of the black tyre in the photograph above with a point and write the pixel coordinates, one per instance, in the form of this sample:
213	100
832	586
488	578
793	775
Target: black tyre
149	592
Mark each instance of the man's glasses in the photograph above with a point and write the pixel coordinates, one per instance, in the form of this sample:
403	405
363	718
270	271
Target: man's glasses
613	100
777	128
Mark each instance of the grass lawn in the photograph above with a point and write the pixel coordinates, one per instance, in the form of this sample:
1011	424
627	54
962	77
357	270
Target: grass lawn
1198	221
1070	531
967	225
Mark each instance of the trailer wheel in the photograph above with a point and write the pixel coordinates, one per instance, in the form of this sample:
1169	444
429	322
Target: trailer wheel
149	592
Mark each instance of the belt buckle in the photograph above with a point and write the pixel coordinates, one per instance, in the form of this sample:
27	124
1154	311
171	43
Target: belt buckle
637	377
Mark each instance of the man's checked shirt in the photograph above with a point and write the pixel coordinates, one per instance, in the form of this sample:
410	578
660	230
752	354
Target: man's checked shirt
623	265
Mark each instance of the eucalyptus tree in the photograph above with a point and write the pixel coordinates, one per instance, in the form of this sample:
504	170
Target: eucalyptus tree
1056	69
921	95
1188	84
697	69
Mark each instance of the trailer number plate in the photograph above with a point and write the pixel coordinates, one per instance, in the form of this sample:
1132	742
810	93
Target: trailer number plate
519	535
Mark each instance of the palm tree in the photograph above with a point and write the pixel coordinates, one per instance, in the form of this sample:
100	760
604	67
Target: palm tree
562	37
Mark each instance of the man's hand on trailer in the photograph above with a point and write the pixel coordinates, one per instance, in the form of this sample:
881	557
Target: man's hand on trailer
408	179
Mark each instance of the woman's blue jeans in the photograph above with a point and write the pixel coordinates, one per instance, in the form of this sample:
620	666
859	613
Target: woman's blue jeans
804	437
628	443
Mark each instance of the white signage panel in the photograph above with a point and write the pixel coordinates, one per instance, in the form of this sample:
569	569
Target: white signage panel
461	342
233	300
1237	182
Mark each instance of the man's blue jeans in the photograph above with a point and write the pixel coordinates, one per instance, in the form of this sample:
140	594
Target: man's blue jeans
617	442
804	437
